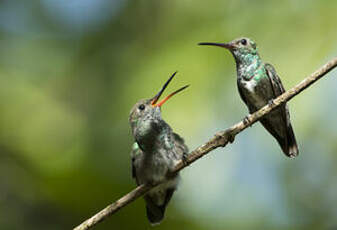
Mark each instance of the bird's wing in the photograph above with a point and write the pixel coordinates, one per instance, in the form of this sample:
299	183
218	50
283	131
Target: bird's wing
290	148
274	80
180	144
136	153
278	89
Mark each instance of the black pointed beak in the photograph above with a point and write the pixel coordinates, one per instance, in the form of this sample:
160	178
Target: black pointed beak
156	98
223	45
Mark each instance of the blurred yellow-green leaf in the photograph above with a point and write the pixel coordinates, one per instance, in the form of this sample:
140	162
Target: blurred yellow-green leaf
70	71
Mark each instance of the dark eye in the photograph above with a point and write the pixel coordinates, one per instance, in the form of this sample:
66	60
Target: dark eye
243	42
141	107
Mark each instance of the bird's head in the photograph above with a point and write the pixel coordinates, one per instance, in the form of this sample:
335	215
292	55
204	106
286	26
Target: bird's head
145	116
240	47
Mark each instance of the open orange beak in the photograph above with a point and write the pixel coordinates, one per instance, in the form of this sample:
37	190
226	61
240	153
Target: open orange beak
156	98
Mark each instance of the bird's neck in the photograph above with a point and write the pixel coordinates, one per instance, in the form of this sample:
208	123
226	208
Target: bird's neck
159	138
248	65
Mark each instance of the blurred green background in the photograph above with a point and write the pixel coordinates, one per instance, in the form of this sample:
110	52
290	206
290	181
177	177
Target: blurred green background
70	71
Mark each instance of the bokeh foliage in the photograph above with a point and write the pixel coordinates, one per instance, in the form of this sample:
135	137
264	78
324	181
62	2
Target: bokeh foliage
71	70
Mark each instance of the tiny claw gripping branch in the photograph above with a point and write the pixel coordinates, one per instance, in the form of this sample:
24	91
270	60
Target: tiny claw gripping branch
185	159
271	102
246	120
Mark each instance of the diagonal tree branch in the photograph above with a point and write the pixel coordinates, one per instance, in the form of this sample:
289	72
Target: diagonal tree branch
221	139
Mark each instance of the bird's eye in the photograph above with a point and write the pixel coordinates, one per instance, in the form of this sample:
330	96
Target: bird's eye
243	42
141	107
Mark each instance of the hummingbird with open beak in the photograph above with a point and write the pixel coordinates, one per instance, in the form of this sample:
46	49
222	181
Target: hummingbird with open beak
155	152
258	85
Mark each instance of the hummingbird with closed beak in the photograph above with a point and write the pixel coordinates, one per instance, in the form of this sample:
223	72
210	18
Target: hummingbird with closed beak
258	85
155	152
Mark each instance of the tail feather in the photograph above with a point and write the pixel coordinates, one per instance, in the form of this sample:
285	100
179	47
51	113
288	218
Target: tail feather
291	149
284	136
155	213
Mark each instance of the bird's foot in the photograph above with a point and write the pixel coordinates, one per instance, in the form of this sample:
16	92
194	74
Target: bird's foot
271	102
246	120
220	137
224	137
231	138
185	159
